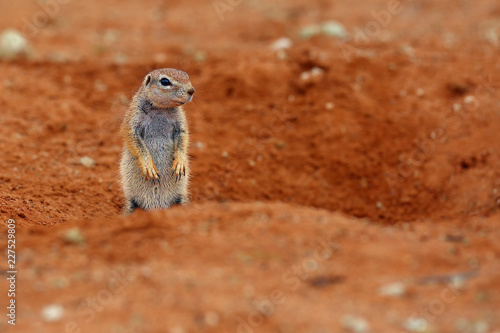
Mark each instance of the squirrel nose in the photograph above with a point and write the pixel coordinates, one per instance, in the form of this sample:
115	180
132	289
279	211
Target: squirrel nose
191	91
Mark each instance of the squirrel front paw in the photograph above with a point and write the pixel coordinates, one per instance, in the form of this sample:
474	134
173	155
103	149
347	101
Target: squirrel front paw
149	170
179	167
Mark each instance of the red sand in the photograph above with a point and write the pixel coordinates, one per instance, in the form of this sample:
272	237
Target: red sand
308	195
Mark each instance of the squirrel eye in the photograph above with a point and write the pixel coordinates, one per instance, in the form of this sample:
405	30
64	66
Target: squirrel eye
165	82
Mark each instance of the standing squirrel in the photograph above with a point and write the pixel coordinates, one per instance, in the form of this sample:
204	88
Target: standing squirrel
154	166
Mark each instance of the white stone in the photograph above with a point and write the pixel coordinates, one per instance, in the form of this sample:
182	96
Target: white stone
309	31
416	325
334	29
12	44
355	324
396	289
87	162
52	313
282	43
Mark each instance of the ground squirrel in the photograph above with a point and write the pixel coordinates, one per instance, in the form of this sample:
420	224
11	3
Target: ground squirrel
154	166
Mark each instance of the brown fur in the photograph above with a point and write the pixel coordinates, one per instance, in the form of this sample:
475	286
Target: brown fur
154	166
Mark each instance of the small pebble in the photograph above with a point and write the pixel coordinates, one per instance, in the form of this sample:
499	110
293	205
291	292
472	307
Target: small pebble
280	145
328	28
74	236
458	282
315	71
310	31
52	313
396	289
12	44
355	324
87	162
408	50
481	327
200	56
334	29
59	283
282	43
329	105
100	86
415	324
470	100
281	55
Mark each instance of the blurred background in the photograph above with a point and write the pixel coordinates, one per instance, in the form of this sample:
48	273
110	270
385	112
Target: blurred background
345	166
148	31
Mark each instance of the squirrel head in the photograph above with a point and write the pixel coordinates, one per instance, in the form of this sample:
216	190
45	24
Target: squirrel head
167	88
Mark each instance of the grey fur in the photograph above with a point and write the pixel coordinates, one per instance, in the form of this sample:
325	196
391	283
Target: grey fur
159	129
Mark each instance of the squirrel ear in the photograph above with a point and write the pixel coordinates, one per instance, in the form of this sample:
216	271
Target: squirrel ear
147	80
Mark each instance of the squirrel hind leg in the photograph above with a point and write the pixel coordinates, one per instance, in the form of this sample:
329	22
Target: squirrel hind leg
130	206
